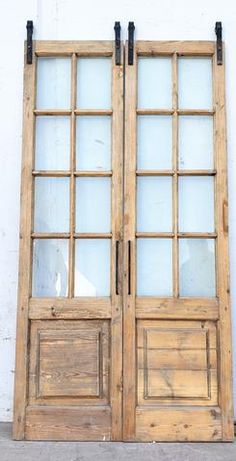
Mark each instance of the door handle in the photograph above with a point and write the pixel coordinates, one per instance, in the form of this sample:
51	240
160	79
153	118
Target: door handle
129	267
117	267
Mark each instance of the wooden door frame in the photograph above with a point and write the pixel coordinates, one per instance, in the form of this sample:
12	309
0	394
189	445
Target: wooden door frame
35	309
215	309
70	308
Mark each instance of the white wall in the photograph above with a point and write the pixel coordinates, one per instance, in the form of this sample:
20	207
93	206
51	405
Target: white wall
79	20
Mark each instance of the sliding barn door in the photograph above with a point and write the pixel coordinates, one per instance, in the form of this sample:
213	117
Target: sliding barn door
123	327
69	348
177	344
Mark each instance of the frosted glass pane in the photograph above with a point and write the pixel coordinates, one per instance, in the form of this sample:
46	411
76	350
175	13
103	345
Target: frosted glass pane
197	267
154	142
51	205
50	267
53	83
52	146
94	83
93	205
93	143
196	204
155	83
154	204
154	267
92	267
195	142
195	83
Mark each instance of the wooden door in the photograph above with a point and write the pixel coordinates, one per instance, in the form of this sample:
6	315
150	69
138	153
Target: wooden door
177	340
123	327
69	350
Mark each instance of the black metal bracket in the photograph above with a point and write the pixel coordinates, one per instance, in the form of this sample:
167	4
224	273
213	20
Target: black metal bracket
117	29
131	43
29	27
219	46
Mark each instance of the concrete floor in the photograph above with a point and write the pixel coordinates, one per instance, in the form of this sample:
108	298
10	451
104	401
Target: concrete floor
105	451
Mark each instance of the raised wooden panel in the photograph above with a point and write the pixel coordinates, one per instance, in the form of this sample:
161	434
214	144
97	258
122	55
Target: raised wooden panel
177	362
69	362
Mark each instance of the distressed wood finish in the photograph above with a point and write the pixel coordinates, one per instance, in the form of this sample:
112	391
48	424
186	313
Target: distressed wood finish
124	367
69	350
177	351
129	280
20	394
224	325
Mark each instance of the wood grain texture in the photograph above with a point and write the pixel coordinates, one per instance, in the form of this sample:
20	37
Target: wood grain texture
190	424
177	308
177	362
68	423
69	362
117	236
188	47
223	286
20	393
129	279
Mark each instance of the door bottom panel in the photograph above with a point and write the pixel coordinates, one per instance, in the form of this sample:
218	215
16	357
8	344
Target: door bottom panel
68	423
168	424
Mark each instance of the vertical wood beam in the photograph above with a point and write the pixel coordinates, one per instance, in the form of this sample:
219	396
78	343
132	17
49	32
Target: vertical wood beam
129	334
224	325
117	236
72	176
175	257
25	252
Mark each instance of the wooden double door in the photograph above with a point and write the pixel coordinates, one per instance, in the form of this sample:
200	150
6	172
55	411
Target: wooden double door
123	329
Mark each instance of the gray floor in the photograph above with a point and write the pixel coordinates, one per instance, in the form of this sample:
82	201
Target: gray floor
105	451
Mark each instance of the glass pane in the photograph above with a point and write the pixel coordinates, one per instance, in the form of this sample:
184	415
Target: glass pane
195	83
197	267
94	83
155	83
53	83
50	267
52	146
196	204
93	143
93	205
154	267
92	267
154	142
154	204
51	205
195	142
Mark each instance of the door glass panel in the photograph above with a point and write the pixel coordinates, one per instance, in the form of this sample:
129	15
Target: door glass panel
93	143
154	142
195	142
93	204
196	204
52	146
195	83
51	205
154	204
155	83
53	83
94	83
92	267
50	267
197	267
154	267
